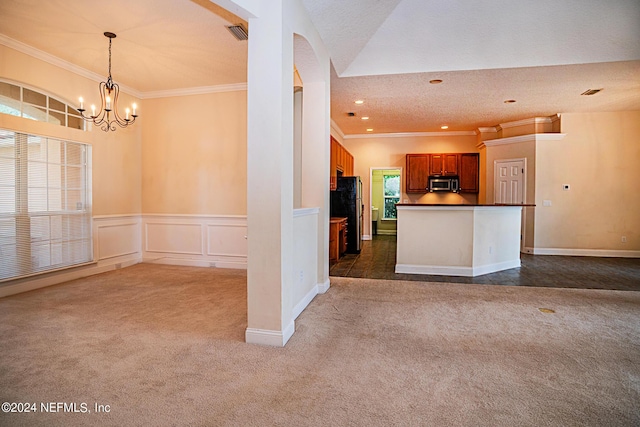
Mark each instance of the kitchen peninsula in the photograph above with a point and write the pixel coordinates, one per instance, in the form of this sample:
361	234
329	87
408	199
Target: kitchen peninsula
457	240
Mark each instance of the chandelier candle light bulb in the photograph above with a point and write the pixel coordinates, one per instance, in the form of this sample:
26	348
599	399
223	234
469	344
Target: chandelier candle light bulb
108	117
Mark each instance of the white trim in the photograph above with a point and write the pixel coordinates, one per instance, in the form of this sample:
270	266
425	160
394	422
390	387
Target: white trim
202	90
305	212
336	128
531	121
489	129
524	138
57	278
437	270
387	232
324	287
205	216
367	237
603	253
304	302
411	134
268	337
61	63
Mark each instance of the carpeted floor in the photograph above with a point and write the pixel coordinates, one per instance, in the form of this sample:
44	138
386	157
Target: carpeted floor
163	345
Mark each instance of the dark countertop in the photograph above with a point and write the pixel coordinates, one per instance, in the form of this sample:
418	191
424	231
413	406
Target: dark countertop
461	204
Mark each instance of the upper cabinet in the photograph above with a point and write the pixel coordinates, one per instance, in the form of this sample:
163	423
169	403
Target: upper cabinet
469	172
341	163
444	164
417	173
464	165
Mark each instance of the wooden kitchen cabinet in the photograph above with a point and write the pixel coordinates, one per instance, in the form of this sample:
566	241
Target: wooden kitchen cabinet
337	237
443	164
341	163
417	178
420	166
469	172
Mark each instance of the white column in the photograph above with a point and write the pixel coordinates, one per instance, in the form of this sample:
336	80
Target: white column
315	167
270	178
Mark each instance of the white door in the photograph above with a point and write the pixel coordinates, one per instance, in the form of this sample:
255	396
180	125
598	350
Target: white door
510	188
509	181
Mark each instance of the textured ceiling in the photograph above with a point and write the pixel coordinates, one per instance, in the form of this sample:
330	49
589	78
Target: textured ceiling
541	53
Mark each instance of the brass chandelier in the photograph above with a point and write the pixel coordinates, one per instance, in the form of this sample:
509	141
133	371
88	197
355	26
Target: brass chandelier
107	117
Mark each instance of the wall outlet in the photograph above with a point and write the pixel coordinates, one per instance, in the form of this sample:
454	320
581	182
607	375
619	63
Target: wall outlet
546	203
624	239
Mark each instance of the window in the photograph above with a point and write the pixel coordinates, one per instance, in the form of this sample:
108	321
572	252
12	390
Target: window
391	188
24	102
45	204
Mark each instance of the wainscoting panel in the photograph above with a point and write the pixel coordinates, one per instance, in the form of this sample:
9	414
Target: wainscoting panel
173	238
227	240
116	237
195	240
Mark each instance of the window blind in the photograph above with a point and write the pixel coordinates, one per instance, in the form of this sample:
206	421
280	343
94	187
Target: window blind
45	204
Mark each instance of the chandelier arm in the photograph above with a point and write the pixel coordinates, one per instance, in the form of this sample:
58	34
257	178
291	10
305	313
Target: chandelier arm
108	116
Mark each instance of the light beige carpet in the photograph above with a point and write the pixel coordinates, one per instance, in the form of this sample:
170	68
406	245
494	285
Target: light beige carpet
163	345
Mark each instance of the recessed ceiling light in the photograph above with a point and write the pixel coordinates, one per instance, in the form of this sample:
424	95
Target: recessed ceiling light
365	118
435	81
509	101
359	102
370	130
444	127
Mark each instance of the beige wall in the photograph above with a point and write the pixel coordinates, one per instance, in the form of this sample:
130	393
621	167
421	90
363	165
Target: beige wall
116	155
194	154
385	152
599	159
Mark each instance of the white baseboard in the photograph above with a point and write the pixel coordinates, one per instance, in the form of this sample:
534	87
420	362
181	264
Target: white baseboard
605	253
436	270
55	278
324	287
306	300
366	237
240	264
268	337
387	232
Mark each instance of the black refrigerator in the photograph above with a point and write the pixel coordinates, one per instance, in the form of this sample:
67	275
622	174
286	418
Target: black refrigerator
346	201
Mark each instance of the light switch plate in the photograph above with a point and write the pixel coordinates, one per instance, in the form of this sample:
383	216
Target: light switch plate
566	187
546	203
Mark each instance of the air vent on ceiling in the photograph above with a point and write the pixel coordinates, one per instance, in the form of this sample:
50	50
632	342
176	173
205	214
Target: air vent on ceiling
239	31
591	91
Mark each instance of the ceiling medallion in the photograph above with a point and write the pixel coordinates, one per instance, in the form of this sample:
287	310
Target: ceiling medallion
107	117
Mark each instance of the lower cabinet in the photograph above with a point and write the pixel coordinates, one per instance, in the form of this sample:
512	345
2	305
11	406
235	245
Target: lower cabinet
337	237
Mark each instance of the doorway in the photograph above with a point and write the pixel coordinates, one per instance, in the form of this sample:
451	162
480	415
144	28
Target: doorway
384	192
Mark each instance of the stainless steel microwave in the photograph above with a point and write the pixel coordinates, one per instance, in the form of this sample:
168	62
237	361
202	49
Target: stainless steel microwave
444	183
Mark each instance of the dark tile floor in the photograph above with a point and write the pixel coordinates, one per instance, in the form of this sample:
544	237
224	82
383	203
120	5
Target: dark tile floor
378	257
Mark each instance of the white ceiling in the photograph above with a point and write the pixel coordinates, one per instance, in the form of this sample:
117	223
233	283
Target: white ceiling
541	53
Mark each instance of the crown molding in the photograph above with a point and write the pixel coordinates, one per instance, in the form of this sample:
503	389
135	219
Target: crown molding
336	128
235	87
535	137
410	134
61	63
491	129
531	121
